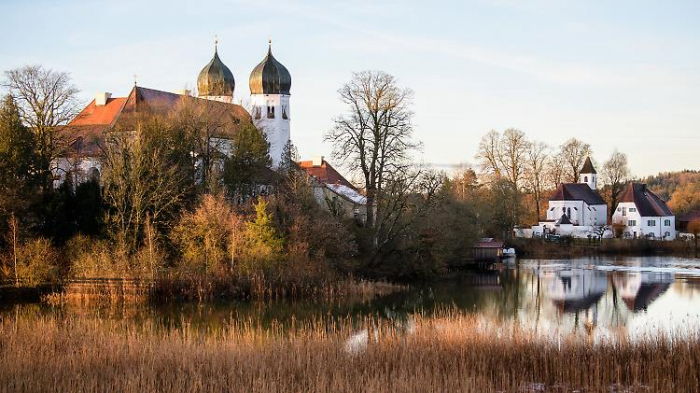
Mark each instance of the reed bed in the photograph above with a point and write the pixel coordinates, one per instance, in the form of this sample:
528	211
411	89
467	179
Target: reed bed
449	353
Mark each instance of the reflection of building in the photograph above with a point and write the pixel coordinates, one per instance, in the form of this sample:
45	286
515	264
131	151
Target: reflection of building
575	290
639	289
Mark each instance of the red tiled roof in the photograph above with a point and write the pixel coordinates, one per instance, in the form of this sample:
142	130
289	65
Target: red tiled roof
576	192
86	131
100	115
648	204
325	173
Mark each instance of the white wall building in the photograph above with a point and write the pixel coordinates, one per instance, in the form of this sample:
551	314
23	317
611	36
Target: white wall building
270	85
644	215
575	209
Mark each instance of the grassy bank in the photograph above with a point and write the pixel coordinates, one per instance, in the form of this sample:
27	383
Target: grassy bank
453	352
569	247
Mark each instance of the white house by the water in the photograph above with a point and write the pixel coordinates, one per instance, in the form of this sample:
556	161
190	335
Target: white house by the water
644	215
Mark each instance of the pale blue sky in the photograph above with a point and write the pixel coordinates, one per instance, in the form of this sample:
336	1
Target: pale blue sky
617	74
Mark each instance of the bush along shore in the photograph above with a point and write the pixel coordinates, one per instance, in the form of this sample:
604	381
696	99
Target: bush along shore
569	247
213	252
448	352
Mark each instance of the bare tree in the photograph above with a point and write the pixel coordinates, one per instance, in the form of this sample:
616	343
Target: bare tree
488	155
513	149
46	100
574	153
143	179
203	123
555	170
537	156
615	175
375	136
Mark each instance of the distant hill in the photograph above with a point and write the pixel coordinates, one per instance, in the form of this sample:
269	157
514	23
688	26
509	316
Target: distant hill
680	189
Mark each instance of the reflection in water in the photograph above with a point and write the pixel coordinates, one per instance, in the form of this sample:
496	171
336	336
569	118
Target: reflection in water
598	296
639	289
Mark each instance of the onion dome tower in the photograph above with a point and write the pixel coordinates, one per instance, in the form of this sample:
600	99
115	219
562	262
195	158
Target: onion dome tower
270	83
215	81
588	174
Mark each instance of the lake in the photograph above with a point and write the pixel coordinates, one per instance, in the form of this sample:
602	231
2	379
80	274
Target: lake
599	297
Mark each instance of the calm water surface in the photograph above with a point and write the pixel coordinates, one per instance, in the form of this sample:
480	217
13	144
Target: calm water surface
603	296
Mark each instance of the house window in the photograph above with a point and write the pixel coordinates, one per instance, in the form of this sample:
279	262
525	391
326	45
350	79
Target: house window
270	112
585	179
667	234
257	112
568	212
624	211
651	223
284	113
632	223
633	209
667	223
619	209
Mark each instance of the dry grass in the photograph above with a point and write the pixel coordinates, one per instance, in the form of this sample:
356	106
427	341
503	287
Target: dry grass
454	352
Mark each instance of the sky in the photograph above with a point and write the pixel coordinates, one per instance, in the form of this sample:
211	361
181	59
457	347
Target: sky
619	75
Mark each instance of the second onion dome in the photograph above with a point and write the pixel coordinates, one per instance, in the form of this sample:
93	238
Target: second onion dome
270	76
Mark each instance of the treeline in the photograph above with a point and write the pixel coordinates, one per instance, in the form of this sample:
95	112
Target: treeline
681	189
169	206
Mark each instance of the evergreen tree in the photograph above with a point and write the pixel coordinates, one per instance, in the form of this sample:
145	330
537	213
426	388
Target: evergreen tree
19	182
248	166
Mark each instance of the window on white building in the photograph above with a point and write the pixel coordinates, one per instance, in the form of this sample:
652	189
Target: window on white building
624	211
633	209
270	112
632	223
667	234
651	223
667	223
585	179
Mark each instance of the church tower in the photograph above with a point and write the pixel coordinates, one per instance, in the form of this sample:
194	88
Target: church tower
270	83
215	81
589	175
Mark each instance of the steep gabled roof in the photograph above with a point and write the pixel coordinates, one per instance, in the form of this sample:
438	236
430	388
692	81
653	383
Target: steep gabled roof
87	130
588	166
576	192
325	173
564	220
648	204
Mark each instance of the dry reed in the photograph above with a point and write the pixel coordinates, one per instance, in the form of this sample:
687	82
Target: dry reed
453	352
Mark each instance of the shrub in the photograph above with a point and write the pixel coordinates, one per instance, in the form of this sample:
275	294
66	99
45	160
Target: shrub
208	237
37	261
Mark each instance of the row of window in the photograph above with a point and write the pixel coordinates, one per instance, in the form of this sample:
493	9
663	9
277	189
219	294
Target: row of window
650	223
270	112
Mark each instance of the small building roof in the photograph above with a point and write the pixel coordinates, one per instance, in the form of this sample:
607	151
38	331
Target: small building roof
489	243
325	173
647	203
588	166
564	220
576	192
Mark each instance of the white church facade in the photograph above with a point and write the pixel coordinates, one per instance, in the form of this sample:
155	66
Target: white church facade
575	209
